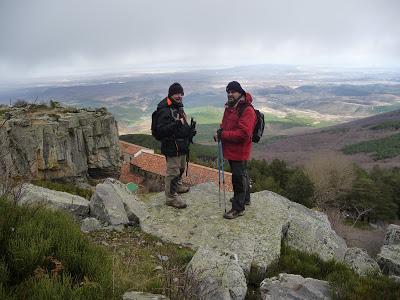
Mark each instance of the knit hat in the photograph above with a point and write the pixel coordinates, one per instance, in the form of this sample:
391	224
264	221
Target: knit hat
175	88
235	86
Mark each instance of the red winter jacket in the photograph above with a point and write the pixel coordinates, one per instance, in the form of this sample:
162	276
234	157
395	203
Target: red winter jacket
237	132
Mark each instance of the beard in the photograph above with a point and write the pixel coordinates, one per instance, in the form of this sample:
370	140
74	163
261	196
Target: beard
232	100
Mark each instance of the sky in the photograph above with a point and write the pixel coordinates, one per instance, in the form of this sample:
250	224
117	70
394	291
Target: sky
53	38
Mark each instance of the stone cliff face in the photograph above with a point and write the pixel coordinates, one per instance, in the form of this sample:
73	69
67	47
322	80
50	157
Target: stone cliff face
53	143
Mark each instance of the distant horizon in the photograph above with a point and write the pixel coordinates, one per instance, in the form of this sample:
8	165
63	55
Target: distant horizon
132	71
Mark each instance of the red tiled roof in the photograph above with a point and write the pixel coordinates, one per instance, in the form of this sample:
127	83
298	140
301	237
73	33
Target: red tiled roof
129	148
156	164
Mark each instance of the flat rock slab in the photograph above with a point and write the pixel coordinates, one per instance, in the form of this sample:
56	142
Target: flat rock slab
76	205
255	237
143	296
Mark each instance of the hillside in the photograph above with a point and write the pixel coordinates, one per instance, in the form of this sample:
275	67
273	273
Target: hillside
368	141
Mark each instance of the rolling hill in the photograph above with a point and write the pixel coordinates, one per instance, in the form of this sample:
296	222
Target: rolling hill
369	141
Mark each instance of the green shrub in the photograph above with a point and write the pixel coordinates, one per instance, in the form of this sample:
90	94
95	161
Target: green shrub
386	147
278	177
392	124
48	287
45	253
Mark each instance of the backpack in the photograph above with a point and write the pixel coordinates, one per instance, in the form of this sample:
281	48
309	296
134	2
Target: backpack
260	123
154	119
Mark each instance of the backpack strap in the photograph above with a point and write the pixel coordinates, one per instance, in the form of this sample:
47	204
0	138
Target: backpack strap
242	107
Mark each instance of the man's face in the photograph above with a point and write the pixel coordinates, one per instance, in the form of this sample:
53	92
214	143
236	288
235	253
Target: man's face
178	97
233	95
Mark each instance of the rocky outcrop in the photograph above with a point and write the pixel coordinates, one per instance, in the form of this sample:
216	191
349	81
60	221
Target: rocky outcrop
52	143
359	260
255	237
75	205
216	275
289	287
389	256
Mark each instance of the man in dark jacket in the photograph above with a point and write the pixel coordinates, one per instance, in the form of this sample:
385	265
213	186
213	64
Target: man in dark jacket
175	133
235	134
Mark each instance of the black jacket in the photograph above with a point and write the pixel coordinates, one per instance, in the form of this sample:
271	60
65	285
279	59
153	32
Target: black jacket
174	135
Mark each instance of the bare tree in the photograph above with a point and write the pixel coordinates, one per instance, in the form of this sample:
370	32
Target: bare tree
333	175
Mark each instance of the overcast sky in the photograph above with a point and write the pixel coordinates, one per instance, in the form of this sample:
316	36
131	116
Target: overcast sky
62	37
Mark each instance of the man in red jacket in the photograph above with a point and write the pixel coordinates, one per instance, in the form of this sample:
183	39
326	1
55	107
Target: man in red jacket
235	134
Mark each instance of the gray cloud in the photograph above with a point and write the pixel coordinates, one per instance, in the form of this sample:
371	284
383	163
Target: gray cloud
42	37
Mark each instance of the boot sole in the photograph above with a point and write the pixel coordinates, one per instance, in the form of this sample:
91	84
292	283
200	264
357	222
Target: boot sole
175	206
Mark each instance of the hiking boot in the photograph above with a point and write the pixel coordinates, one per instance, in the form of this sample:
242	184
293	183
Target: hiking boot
247	202
176	202
233	214
180	189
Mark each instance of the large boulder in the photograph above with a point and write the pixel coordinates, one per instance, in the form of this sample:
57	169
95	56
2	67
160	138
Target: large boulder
75	205
392	236
216	275
389	256
112	202
255	237
294	287
359	260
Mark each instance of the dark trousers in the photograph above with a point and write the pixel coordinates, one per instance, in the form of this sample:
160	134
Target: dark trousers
241	184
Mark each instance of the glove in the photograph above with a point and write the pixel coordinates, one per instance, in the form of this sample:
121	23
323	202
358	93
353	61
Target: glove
194	132
219	134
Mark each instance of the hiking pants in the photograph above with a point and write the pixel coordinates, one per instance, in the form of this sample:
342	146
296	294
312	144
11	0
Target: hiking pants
173	177
241	184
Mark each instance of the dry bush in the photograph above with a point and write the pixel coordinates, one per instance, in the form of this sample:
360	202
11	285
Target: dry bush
187	283
333	175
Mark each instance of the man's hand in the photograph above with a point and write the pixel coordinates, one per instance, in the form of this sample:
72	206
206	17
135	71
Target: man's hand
218	135
180	121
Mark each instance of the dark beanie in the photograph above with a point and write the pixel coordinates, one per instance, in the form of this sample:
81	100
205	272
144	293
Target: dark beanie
175	88
235	86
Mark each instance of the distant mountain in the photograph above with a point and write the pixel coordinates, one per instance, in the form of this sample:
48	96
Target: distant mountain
369	141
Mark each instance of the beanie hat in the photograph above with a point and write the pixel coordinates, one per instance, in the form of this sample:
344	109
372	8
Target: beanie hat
235	86
175	88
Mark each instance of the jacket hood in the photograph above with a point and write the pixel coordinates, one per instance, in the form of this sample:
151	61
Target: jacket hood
248	98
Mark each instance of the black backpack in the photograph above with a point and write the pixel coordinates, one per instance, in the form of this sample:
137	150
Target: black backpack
154	119
260	123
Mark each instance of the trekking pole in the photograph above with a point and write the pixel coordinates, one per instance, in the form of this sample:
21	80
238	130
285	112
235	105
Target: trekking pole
219	175
223	172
